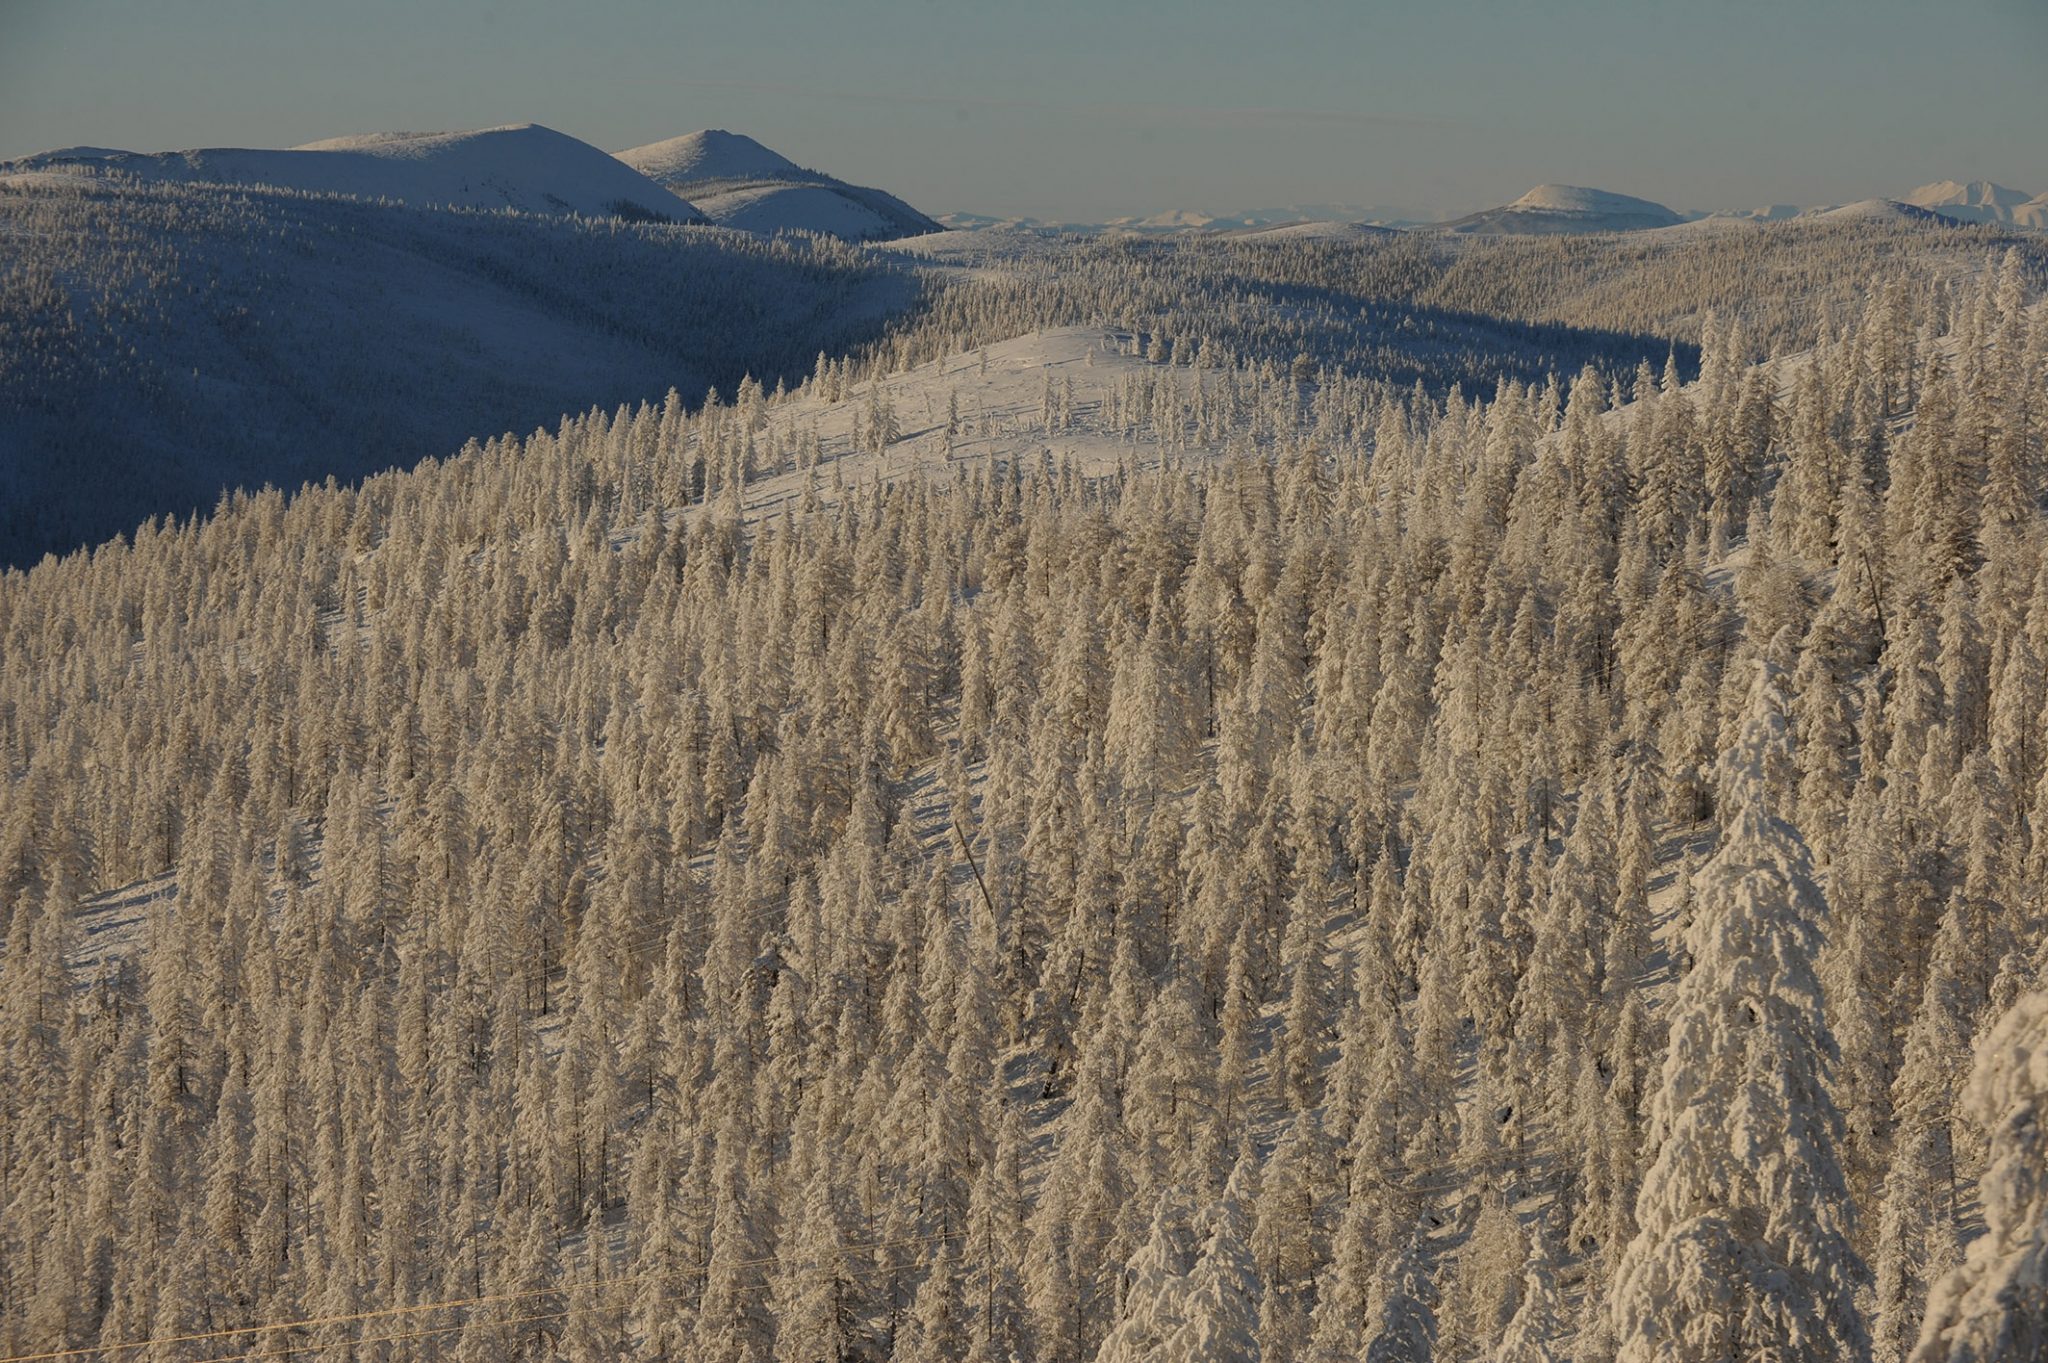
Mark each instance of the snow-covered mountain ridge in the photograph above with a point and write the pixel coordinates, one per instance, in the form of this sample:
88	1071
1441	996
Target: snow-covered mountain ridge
1982	201
521	166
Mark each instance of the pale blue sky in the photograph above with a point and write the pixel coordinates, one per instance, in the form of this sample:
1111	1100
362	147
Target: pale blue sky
1090	108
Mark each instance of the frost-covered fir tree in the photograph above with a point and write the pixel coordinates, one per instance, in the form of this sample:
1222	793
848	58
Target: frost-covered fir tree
1743	1218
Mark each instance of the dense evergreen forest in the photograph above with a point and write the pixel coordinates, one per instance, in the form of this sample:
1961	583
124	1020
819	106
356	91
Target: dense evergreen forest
1413	804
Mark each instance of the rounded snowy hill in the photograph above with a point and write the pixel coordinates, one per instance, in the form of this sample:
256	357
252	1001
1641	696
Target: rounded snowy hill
520	166
1566	208
1575	199
736	182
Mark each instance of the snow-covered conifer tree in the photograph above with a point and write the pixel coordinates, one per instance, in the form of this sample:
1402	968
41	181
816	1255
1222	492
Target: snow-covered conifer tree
1743	1218
1994	1307
1220	1311
1403	1325
1532	1332
1154	1294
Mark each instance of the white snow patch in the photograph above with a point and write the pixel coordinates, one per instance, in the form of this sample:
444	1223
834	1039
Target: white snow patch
1000	399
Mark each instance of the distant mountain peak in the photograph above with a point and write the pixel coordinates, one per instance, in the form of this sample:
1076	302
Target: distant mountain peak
1965	194
737	182
1578	199
711	154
